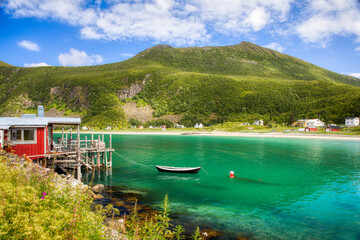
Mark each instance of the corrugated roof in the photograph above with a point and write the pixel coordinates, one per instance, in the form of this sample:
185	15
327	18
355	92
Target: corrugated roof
37	121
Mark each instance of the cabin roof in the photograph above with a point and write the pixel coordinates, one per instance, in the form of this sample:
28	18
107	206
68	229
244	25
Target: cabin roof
7	122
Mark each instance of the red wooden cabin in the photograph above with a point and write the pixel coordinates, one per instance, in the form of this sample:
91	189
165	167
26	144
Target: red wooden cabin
332	129
30	134
308	129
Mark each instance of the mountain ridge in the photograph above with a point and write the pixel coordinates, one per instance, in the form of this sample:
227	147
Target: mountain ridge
241	82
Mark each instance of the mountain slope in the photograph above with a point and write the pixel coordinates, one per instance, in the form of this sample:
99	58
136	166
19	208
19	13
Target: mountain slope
240	82
242	59
4	64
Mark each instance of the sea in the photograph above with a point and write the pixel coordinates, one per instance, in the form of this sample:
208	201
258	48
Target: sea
283	188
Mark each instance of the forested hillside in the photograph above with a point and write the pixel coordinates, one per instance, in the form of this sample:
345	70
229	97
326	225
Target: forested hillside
210	84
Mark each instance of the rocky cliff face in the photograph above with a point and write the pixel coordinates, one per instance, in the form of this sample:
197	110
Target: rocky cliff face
133	89
73	96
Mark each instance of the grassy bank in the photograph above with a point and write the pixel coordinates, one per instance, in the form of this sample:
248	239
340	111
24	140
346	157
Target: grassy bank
37	203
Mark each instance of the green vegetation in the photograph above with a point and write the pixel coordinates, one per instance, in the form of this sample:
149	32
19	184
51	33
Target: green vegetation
212	84
3	64
32	207
39	204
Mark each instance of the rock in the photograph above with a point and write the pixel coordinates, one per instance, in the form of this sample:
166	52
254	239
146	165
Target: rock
209	233
242	238
97	196
98	188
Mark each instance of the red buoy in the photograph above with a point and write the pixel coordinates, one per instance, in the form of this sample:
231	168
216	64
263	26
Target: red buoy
232	174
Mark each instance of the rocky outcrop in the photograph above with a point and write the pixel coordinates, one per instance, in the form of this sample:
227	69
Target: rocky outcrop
73	96
133	89
142	114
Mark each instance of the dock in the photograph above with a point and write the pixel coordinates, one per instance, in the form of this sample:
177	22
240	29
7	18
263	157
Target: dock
72	152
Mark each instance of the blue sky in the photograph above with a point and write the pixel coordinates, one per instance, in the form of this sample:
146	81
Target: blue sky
80	32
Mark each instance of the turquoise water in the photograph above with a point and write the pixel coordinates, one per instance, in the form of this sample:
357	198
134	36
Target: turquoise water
285	188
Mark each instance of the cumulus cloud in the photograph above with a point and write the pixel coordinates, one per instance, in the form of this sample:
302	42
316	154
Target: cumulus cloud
180	22
326	18
78	58
357	75
29	45
275	46
185	22
40	64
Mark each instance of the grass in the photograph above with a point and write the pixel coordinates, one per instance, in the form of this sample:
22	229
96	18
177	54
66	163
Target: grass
38	204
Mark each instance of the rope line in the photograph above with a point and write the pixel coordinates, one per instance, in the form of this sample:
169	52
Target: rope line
133	162
205	171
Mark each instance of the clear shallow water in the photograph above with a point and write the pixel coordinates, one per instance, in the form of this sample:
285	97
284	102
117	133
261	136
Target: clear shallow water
285	188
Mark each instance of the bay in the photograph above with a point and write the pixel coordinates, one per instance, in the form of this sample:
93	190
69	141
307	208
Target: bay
283	189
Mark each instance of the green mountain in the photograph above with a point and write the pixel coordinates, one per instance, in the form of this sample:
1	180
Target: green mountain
3	64
210	84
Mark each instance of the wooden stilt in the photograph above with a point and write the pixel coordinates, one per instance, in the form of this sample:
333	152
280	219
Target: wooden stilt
110	153
78	154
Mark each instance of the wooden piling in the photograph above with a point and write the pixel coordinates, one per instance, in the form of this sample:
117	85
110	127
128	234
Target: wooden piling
110	153
78	154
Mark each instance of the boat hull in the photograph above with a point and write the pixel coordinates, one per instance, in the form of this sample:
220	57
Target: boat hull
178	169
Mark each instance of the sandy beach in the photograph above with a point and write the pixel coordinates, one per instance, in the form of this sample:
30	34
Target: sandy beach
237	134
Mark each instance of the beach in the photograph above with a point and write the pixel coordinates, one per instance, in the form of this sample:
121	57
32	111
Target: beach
237	134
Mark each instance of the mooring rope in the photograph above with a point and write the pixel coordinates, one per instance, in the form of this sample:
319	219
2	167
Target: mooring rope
133	161
204	170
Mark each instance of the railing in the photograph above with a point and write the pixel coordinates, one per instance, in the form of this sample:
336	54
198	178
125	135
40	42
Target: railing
65	145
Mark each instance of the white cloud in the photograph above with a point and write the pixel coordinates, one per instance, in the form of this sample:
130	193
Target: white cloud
326	18
127	55
275	46
357	50
357	75
185	22
29	45
78	58
41	64
181	22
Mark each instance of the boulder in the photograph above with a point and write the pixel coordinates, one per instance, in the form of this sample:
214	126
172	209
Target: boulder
98	188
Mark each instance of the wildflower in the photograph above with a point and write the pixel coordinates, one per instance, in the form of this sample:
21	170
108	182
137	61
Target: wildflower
44	194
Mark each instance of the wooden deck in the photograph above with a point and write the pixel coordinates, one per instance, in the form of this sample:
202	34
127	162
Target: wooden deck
68	153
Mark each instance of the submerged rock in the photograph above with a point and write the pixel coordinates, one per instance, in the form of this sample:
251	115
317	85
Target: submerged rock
210	233
98	188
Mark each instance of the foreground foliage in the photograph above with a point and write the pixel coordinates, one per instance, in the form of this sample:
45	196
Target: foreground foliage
33	207
36	204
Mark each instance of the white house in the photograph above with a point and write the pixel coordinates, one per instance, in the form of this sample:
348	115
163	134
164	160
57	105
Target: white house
259	122
314	123
199	125
352	121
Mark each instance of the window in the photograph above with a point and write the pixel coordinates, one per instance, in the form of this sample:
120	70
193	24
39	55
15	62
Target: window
29	135
23	135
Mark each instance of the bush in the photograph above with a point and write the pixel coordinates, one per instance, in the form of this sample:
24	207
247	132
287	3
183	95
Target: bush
33	207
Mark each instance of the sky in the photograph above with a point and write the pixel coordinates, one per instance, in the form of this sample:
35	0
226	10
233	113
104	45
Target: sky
90	32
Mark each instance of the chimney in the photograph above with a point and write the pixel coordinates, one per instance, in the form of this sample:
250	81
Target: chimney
41	111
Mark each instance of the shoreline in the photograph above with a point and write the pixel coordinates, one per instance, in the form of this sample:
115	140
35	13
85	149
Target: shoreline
236	134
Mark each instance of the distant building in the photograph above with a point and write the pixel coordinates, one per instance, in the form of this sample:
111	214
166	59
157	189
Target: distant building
198	125
314	123
301	122
259	122
351	121
309	129
108	128
332	129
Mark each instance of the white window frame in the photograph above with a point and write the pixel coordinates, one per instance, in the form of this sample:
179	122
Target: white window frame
22	141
